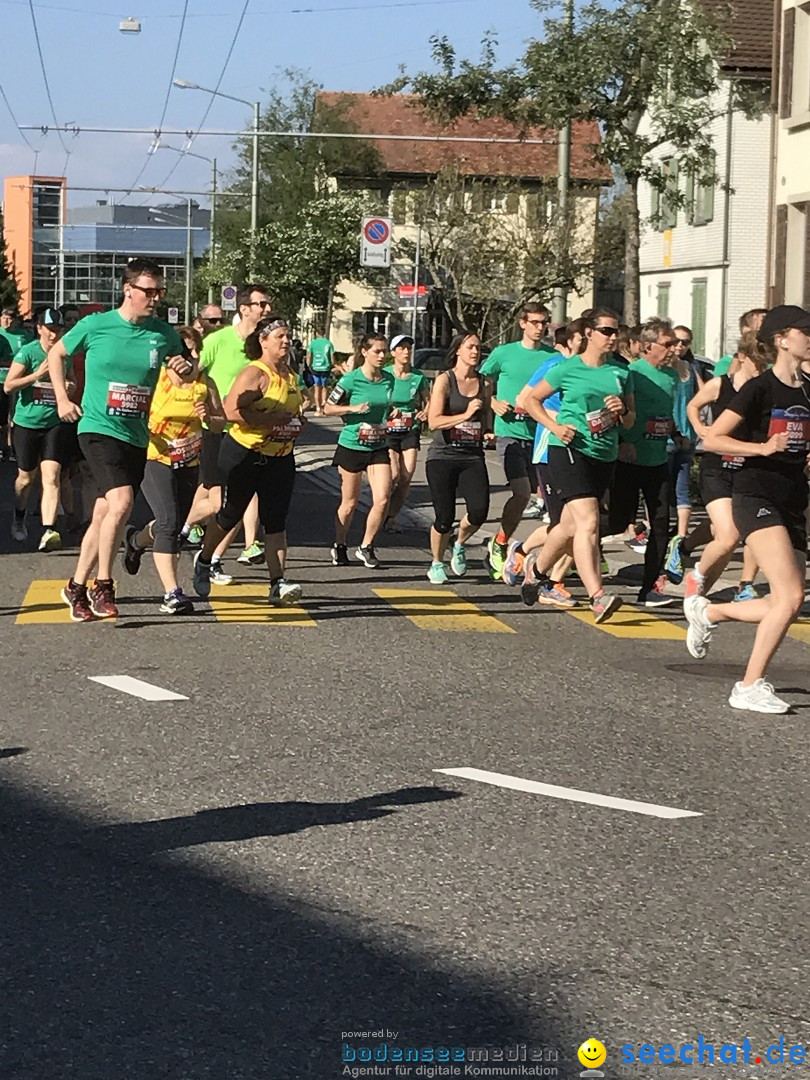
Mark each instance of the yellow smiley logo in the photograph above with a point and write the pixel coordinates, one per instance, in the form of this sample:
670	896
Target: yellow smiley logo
592	1054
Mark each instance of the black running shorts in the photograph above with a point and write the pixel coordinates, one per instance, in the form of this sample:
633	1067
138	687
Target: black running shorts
112	462
32	445
359	460
577	476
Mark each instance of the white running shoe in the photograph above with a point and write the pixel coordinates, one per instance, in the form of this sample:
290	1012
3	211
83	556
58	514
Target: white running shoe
51	541
285	593
758	697
219	576
700	631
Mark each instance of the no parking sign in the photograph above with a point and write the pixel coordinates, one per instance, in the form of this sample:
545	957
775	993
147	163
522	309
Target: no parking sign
229	298
375	242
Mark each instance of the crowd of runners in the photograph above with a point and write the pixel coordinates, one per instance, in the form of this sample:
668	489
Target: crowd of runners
590	424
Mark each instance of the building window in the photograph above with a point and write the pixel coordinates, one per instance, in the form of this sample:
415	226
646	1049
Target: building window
699	298
376	322
663	300
700	192
665	196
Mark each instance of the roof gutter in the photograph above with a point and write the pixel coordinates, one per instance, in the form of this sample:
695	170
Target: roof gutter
776	69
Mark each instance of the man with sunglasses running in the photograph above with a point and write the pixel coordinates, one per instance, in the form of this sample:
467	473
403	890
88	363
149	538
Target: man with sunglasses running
124	350
511	366
211	318
222	359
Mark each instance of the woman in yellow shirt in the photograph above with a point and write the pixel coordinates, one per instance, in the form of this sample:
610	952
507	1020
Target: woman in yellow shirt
265	405
172	467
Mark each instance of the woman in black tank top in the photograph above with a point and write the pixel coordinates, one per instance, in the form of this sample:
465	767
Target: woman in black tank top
460	415
717	474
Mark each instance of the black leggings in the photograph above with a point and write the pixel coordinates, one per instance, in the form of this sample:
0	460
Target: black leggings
170	493
466	477
243	473
653	481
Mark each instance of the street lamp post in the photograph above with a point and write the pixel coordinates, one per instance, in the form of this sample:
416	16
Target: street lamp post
213	222
184	84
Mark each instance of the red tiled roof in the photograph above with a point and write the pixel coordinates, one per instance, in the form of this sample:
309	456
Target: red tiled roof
400	115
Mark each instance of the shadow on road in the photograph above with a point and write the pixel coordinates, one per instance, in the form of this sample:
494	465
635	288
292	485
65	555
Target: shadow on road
119	963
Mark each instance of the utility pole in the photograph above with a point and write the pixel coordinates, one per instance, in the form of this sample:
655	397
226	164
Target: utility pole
417	260
189	262
559	303
254	189
213	234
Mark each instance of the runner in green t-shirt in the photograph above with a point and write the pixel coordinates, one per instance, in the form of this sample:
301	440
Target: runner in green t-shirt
362	398
643	464
320	354
597	397
510	367
41	441
124	350
411	393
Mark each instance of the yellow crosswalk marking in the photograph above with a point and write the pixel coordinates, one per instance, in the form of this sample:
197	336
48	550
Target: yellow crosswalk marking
801	631
442	609
43	603
631	622
248	604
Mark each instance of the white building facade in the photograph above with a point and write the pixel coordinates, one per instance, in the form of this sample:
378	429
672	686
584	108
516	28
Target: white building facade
705	263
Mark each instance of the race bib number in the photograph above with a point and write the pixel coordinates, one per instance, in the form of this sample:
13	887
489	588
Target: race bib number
183	451
371	434
42	394
732	461
467	433
600	421
658	427
796	422
288	433
401	423
521	414
128	401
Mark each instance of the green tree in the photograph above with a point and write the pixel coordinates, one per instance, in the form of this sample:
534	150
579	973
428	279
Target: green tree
655	61
491	245
9	293
308	236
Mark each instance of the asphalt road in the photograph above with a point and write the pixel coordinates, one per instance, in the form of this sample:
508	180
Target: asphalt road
227	886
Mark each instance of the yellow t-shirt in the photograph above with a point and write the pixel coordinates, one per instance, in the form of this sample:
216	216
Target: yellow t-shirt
283	394
175	430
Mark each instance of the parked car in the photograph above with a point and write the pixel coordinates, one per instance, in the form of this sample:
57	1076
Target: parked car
431	362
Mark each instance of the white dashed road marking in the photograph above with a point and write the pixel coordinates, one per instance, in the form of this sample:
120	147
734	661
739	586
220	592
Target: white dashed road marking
137	688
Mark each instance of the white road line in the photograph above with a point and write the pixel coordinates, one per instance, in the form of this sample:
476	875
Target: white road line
137	688
572	794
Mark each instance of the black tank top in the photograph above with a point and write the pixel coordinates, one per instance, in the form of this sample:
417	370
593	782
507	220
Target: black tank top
725	396
467	437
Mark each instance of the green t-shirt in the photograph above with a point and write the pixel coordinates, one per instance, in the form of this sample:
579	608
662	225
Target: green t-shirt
584	390
512	366
36	404
223	357
6	356
322	351
122	361
722	366
654	389
367	430
408	391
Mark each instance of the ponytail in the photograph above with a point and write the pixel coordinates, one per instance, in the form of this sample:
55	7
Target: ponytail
762	354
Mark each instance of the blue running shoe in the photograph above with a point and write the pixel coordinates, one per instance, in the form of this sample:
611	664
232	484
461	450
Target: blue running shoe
673	564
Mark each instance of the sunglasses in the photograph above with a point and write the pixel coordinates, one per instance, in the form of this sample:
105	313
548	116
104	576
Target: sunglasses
683	341
216	320
260	303
150	293
608	331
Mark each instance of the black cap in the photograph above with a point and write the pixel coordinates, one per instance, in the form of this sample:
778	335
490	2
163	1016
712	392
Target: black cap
781	318
51	316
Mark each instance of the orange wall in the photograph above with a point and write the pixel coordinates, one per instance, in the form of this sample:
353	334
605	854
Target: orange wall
18	226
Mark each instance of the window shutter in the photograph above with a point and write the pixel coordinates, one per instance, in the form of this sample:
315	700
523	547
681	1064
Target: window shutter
708	202
788	50
780	254
690	195
512	202
699	289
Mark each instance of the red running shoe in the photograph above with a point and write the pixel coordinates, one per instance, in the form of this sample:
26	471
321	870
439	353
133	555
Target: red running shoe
102	600
75	596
